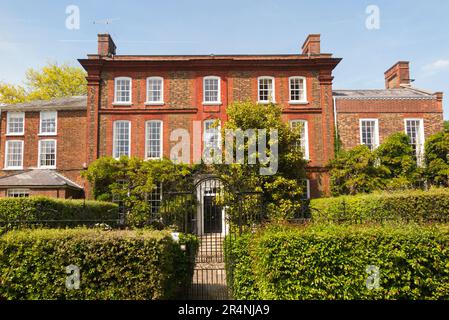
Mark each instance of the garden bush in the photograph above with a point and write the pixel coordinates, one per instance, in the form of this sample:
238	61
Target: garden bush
33	209
113	264
413	205
331	261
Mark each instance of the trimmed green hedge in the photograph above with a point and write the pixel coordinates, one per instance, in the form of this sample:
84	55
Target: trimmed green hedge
113	264
330	262
413	205
42	208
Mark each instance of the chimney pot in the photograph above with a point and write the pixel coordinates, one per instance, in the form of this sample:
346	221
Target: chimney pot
312	45
106	46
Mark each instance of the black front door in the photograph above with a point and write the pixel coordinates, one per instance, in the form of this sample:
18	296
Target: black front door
212	215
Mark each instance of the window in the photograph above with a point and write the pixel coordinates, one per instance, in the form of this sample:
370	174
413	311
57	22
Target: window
306	189
48	122
414	128
211	90
211	139
15	123
47	154
122	140
154	140
266	89
155	90
303	143
14	154
154	199
123	91
369	133
298	90
18	193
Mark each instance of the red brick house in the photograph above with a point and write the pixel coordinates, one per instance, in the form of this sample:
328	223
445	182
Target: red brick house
134	104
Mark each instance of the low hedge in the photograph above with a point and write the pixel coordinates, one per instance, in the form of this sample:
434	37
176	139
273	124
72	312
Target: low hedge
330	262
27	211
113	264
413	205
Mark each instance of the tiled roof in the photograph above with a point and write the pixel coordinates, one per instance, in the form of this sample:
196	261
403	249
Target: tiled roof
38	178
67	103
401	93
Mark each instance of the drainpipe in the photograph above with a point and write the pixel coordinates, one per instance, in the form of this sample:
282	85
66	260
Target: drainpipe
336	135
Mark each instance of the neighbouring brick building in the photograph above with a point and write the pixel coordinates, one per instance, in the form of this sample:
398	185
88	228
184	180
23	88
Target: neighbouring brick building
135	102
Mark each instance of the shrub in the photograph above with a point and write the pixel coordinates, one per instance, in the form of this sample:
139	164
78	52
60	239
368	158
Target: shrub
414	205
113	264
30	210
331	261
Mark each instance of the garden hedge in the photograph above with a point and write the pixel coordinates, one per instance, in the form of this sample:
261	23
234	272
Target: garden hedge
113	264
415	205
331	261
30	210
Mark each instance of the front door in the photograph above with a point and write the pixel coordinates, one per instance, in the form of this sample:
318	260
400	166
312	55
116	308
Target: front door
213	215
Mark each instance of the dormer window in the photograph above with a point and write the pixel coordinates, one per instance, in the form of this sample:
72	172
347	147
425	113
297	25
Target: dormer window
266	90
123	91
211	90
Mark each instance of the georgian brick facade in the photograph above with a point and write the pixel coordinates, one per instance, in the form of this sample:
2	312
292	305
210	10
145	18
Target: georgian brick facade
85	134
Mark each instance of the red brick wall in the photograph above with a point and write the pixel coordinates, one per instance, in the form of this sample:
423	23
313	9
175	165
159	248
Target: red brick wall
70	142
391	115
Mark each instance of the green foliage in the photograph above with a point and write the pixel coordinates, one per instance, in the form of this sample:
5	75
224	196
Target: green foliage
330	262
282	190
391	166
416	205
132	179
42	208
52	81
113	264
437	159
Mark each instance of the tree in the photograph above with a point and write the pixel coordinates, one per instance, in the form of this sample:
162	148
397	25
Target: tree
52	81
437	159
282	191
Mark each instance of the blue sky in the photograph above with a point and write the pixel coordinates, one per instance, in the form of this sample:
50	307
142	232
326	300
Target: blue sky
33	33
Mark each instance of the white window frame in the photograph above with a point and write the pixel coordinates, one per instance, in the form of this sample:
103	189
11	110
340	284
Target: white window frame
304	80
55	113
219	147
114	145
273	90
21	192
376	131
8	116
420	156
123	103
7	155
306	136
39	165
218	101
159	102
161	142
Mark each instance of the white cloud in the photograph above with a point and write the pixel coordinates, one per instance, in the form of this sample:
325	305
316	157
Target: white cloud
436	66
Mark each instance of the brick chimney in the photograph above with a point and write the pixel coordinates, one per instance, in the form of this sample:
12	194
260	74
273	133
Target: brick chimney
106	46
398	75
312	44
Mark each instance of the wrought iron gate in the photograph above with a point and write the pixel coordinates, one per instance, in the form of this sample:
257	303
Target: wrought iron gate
205	213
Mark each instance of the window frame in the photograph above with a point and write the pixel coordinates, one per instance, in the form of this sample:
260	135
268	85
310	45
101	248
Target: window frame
219	142
303	101
307	183
114	135
218	102
26	192
306	136
422	137
56	123
8	116
161	142
39	165
123	103
6	167
273	89
159	102
376	132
